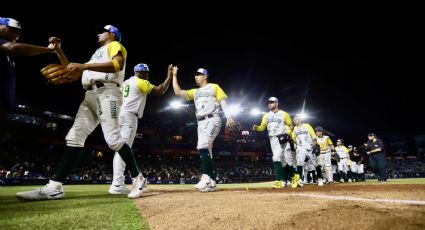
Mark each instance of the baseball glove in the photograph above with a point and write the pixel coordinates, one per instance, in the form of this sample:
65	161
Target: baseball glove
233	132
283	138
59	74
316	150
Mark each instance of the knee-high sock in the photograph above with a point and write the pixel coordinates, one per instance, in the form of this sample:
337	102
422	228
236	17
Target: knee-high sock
206	163
278	170
290	171
69	160
300	170
319	172
128	157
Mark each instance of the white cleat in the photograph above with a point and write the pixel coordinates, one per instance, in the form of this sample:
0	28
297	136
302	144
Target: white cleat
211	187
349	181
139	185
118	189
203	183
341	181
320	182
51	191
283	183
300	183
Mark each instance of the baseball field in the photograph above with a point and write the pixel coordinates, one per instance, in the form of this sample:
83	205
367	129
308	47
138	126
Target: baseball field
398	204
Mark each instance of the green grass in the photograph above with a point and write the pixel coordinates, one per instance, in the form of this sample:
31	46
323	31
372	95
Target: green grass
84	207
91	207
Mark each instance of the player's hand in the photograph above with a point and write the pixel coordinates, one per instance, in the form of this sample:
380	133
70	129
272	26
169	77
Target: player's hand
254	127
54	43
174	71
169	71
230	122
75	68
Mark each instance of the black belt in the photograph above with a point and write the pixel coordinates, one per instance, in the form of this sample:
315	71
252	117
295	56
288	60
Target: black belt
205	117
99	85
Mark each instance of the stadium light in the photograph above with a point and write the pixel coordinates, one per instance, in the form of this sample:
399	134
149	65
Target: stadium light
255	112
303	115
176	104
234	109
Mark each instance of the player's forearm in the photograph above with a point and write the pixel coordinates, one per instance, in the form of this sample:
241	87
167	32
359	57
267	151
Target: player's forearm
376	150
225	108
164	86
106	67
177	90
23	49
62	57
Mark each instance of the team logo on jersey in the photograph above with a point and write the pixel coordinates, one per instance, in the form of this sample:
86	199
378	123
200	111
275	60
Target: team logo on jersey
113	105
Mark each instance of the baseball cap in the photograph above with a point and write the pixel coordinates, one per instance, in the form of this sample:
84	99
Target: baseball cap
371	135
273	99
141	67
350	146
114	30
10	22
318	129
202	71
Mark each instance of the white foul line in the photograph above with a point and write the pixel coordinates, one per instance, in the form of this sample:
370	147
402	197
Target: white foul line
350	198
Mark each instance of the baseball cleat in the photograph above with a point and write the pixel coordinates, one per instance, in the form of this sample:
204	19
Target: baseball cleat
211	187
118	189
139	185
320	182
349	180
203	183
277	184
295	180
51	191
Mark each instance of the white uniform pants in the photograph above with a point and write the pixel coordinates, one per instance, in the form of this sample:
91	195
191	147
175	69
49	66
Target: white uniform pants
208	129
342	165
303	153
102	106
128	128
281	152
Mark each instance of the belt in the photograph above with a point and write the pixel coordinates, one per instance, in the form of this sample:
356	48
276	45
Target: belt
98	85
205	117
343	158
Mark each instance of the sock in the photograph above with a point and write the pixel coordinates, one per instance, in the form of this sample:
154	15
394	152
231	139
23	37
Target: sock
69	160
206	163
300	170
128	157
314	176
284	174
319	172
278	170
290	171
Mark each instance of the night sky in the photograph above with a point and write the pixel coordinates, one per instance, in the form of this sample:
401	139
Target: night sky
357	65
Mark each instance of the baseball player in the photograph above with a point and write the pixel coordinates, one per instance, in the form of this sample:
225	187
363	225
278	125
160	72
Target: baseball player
352	166
101	78
305	138
279	125
10	30
208	98
324	159
135	91
358	158
342	152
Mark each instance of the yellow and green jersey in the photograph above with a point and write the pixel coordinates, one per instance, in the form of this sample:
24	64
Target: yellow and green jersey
276	122
207	99
105	54
303	135
135	92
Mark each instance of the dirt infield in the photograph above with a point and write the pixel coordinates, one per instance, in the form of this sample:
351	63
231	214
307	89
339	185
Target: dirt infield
169	208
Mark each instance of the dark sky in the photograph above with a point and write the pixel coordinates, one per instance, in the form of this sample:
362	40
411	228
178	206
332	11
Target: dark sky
359	66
